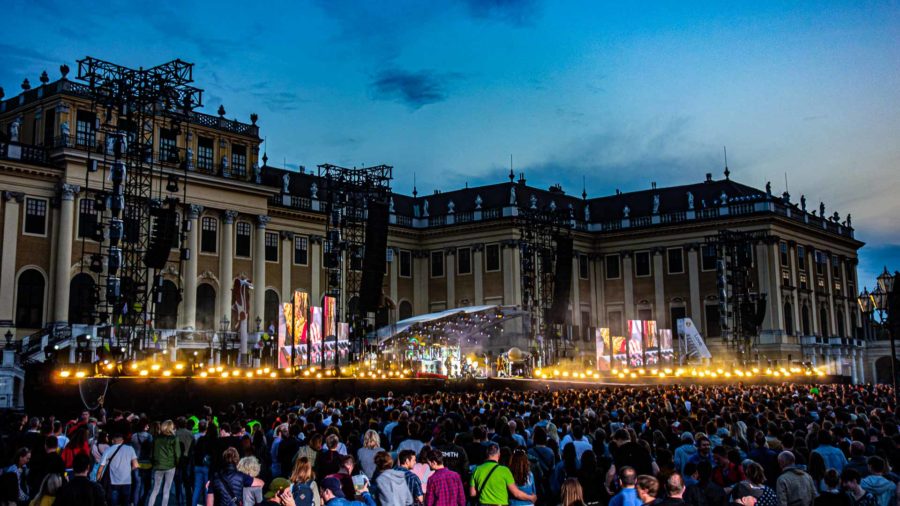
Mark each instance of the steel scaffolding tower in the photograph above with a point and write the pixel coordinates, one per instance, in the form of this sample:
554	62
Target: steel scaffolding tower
134	105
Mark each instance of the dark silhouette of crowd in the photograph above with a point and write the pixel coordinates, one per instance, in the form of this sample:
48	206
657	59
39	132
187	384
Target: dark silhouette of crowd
696	445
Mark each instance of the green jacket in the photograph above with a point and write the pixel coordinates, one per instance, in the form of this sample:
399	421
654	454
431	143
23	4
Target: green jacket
166	452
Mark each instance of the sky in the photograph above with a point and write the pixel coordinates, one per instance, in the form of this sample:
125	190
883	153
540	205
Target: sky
616	94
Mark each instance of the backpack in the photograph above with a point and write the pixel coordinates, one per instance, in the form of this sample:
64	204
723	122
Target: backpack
303	494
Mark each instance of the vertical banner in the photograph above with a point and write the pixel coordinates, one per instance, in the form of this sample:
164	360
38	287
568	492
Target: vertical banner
651	343
329	307
635	343
666	350
315	334
603	348
300	325
344	340
284	350
620	351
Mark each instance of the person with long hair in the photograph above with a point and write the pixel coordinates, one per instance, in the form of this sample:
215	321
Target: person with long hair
524	479
304	486
366	455
251	467
571	493
47	493
78	445
166	453
566	468
590	477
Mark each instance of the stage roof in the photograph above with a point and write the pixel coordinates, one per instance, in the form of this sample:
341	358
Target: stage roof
489	315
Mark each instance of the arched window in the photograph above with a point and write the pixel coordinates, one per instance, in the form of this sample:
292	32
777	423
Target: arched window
840	324
382	317
270	311
406	310
823	321
788	318
804	319
167	309
30	300
206	307
854	326
82	299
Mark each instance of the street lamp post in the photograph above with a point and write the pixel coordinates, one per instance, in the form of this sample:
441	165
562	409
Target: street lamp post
882	297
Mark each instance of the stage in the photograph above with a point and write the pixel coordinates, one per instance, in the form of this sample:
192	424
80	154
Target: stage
172	396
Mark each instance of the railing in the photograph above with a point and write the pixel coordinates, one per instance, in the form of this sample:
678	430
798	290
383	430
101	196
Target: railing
490	214
24	152
404	221
301	202
674	217
641	221
465	217
436	221
611	225
742	208
83	90
710	212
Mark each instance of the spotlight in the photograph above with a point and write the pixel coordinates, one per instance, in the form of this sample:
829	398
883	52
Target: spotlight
172	184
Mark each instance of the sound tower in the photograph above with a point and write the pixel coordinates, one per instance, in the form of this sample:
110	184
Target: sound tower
562	280
163	236
375	256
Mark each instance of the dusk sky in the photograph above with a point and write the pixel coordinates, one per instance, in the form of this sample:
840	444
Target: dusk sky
620	95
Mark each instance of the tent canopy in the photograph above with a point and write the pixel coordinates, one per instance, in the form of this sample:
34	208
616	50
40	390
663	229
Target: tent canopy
490	314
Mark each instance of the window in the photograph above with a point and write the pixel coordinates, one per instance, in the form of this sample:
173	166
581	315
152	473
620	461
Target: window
788	319
87	218
208	234
823	322
708	257
583	267
301	250
168	150
464	261
613	266
83	300
801	258
642	264
242	243
616	325
675	260
835	266
783	249
405	264
437	264
206	307
271	246
804	320
239	160
30	300
35	216
205	157
676	313
492	257
85	133
713	326
586	325
820	263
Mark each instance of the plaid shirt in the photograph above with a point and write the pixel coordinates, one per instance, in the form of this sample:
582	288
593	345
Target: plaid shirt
414	484
445	488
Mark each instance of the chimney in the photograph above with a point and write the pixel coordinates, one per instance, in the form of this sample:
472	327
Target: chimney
709	177
653	185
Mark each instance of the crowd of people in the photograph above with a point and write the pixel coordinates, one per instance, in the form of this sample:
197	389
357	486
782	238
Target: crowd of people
774	445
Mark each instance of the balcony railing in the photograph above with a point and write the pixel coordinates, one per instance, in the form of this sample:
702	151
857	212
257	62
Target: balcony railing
23	152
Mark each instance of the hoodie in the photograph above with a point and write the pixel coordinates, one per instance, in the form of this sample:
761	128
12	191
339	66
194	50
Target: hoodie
882	488
392	490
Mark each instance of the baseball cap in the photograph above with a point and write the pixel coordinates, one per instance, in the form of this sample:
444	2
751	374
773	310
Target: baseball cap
333	485
277	485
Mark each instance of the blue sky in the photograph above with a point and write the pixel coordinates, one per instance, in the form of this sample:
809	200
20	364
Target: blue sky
618	93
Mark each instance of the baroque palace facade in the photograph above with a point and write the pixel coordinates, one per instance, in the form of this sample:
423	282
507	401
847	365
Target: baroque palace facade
638	255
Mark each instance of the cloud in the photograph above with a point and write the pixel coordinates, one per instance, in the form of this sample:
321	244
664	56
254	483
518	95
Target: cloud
415	89
514	12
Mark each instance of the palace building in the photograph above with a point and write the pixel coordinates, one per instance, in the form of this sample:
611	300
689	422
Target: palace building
637	255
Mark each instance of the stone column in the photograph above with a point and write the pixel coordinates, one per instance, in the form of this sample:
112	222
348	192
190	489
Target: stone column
421	276
659	294
694	285
478	272
394	273
832	312
861	366
315	269
13	202
854	372
189	315
575	294
795	297
628	278
594	286
226	266
287	263
450	271
848	331
257	308
64	252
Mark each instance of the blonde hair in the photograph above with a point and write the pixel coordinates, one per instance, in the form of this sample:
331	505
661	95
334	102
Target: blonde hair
303	471
167	428
371	439
49	487
249	465
571	493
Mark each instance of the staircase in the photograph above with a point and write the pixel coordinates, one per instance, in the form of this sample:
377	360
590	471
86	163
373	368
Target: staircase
32	346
